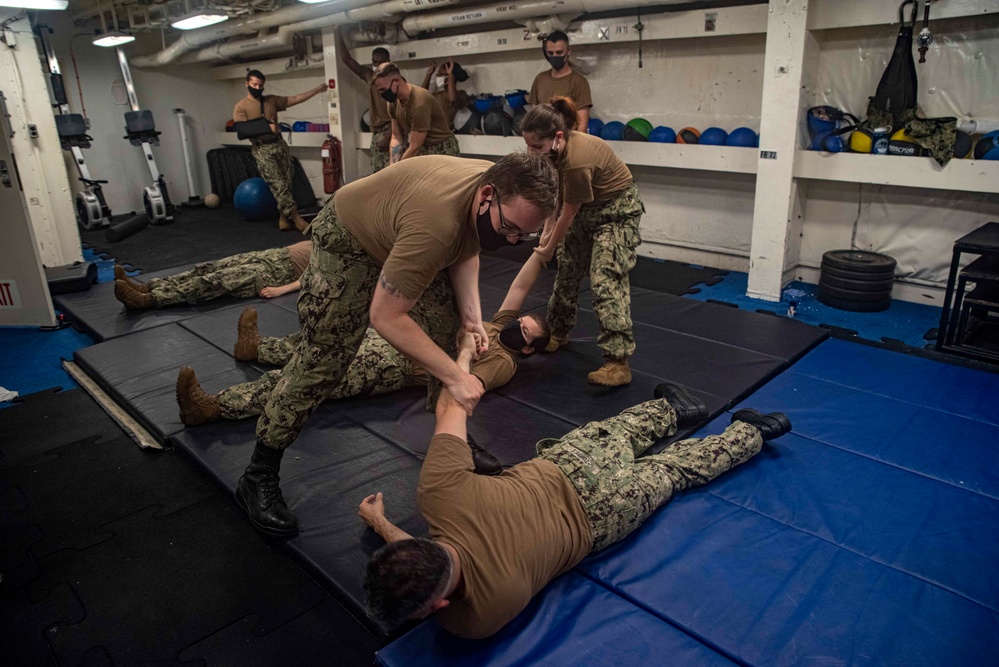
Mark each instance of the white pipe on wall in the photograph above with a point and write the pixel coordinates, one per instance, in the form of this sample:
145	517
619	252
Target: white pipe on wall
192	39
285	33
507	11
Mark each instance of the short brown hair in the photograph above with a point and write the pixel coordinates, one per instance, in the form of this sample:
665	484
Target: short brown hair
386	69
532	177
541	342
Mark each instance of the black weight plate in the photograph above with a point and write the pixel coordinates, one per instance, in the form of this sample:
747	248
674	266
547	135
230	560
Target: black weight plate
855	306
880	285
853	295
860	261
871	276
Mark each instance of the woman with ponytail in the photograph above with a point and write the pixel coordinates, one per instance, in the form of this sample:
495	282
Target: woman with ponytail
596	234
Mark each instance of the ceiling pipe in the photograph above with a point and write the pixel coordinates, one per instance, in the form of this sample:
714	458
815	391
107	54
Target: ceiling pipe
282	38
506	11
193	39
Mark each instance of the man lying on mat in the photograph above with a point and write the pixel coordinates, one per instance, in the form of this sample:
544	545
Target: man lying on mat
378	368
496	541
266	273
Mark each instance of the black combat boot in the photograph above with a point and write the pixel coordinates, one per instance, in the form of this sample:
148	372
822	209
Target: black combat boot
770	426
485	463
689	410
259	495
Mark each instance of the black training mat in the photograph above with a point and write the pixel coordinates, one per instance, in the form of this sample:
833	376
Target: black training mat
195	235
220	327
140	372
663	275
332	466
131	557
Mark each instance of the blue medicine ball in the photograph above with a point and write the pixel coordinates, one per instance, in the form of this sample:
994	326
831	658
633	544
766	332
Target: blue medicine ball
714	136
299	126
987	148
663	135
613	131
594	127
254	201
743	137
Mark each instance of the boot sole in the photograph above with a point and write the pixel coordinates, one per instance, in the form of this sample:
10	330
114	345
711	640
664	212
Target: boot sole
270	531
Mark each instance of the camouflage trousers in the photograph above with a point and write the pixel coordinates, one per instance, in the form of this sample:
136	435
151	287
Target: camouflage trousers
600	243
275	166
447	147
379	148
333	307
242	275
619	491
378	368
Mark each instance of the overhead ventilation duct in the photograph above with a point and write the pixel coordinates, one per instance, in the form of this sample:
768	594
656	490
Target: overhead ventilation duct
289	21
507	11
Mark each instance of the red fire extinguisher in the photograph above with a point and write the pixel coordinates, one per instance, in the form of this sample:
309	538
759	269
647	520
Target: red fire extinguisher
332	153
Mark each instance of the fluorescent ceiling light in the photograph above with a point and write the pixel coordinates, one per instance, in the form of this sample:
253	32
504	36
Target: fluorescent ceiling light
312	2
200	18
112	38
35	4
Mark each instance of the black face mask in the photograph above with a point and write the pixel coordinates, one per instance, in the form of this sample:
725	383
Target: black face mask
553	153
512	337
557	62
257	93
388	95
489	238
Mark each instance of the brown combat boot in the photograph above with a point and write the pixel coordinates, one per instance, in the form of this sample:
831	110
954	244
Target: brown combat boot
120	274
132	299
557	342
196	407
247	338
614	373
284	224
301	224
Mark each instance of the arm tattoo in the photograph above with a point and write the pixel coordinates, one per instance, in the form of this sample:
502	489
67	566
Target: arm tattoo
389	288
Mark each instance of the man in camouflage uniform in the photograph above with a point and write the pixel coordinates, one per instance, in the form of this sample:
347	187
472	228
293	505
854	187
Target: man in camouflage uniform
270	151
381	123
266	273
377	368
419	123
399	250
495	543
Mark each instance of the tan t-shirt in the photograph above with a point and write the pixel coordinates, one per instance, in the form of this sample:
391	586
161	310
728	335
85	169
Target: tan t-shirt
422	113
591	171
499	364
514	532
300	253
248	109
575	85
378	106
413	218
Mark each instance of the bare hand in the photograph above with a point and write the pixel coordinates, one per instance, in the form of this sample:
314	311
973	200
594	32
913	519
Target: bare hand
466	391
432	67
479	331
449	66
372	509
323	87
271	292
468	344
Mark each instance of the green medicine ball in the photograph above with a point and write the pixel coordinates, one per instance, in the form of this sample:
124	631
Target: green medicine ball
637	129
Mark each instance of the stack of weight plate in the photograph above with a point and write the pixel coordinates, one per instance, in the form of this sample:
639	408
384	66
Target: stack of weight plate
857	280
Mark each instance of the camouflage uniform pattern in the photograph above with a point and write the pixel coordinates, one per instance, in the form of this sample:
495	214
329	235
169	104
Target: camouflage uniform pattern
277	351
620	491
447	147
242	276
378	368
275	166
333	306
935	135
380	155
600	243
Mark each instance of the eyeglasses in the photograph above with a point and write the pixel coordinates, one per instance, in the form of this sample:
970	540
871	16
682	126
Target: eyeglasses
510	231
